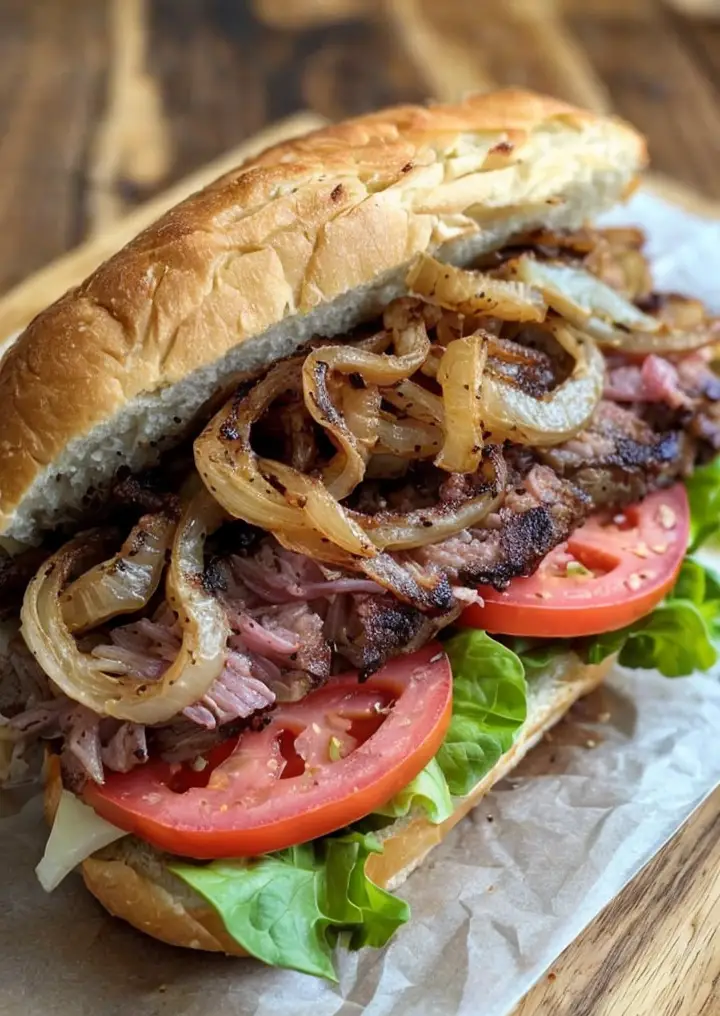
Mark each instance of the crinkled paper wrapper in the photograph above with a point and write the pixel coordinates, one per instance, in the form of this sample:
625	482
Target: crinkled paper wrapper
494	905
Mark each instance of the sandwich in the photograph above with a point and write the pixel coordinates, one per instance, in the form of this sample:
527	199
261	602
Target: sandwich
327	496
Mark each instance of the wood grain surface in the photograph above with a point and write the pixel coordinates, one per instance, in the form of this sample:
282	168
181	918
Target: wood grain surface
112	109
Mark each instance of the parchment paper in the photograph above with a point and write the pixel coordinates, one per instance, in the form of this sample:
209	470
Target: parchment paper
495	904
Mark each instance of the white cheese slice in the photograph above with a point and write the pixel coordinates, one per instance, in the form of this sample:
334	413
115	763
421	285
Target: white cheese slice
77	833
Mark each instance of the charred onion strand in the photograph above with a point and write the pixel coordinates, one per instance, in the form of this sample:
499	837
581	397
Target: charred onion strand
352	538
266	493
460	376
90	680
611	319
411	343
361	409
230	468
467	292
417	402
510	413
408	439
582	298
323	512
407	530
126	582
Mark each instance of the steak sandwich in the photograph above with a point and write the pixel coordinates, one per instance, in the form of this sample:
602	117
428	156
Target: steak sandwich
328	495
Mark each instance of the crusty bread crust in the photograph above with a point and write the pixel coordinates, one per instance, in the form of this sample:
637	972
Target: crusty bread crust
310	236
132	882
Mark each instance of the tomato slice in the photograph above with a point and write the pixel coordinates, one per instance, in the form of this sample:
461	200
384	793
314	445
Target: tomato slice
320	764
611	572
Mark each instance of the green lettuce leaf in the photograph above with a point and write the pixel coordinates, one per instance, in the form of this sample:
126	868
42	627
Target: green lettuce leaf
535	653
429	791
489	706
703	489
674	639
680	636
288	908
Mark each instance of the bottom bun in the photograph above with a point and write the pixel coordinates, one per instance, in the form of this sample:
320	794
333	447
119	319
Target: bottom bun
132	881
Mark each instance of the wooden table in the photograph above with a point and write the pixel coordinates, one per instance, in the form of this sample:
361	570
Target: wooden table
106	103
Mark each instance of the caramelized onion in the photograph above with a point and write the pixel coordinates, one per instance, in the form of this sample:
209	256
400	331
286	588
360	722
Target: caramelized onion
508	412
610	318
460	375
625	268
95	682
408	530
666	343
405	321
408	439
417	402
324	513
230	468
126	582
582	298
361	409
473	292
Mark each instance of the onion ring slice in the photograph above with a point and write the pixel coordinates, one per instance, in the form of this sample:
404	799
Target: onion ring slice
460	376
88	679
510	413
416	402
582	298
404	320
229	467
125	583
606	315
423	526
408	439
467	292
324	513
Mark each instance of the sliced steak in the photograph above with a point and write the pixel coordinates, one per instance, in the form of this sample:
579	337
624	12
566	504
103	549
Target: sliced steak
702	385
366	631
535	518
620	457
302	627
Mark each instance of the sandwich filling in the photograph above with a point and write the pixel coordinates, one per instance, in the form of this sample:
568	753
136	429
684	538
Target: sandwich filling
434	470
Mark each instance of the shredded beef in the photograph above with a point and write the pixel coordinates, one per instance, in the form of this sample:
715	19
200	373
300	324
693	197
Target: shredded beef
89	742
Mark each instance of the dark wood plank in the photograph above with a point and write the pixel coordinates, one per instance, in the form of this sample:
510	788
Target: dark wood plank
225	67
701	36
52	79
655	81
521	44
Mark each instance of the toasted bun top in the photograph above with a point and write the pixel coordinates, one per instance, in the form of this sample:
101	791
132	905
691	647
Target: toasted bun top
309	237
